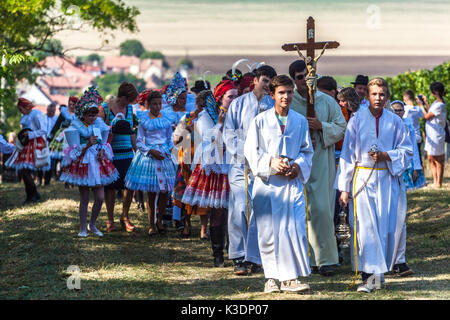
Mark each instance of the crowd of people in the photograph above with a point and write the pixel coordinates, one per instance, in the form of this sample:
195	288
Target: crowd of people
246	158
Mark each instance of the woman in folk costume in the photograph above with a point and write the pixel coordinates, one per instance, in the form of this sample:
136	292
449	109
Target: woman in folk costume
31	151
140	111
376	152
246	84
183	137
57	139
413	177
152	169
208	186
88	159
118	113
142	101
176	98
175	109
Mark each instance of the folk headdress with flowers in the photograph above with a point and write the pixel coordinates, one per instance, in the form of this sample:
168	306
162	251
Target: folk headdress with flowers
176	87
90	99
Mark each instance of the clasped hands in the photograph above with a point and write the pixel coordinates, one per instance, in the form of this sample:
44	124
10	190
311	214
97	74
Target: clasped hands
379	156
284	168
156	154
92	141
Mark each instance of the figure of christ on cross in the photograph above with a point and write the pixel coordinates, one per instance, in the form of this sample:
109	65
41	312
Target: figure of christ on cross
311	63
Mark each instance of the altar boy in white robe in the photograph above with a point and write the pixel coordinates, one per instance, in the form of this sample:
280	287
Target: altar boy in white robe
375	153
279	152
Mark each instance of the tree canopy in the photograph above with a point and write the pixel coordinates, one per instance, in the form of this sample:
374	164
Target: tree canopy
109	83
28	29
186	62
131	48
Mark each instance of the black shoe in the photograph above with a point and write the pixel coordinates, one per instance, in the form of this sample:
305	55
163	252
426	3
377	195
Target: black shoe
314	270
218	262
240	267
35	198
402	270
326	271
256	268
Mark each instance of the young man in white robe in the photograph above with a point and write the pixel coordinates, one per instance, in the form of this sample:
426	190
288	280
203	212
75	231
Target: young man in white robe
243	235
375	153
279	151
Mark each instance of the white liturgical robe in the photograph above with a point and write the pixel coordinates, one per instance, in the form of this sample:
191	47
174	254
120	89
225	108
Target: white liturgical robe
279	204
378	218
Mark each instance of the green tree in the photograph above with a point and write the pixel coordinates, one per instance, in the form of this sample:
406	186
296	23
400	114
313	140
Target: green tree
155	55
131	48
109	83
419	82
52	47
28	28
93	57
186	62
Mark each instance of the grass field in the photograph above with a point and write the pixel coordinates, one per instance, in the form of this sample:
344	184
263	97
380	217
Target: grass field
39	242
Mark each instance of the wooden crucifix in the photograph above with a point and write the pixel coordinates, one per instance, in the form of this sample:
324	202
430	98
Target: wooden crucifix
311	63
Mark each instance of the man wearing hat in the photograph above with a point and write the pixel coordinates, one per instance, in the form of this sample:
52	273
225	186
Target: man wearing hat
200	85
360	85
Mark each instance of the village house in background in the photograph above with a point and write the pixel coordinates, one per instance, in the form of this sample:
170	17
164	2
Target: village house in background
61	77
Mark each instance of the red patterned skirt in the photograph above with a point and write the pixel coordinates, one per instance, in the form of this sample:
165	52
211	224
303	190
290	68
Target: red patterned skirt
207	190
80	174
25	159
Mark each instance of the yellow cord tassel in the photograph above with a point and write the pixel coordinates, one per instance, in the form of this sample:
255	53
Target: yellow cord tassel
307	229
355	249
246	191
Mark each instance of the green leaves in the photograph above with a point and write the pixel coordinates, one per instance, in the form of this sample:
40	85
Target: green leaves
419	82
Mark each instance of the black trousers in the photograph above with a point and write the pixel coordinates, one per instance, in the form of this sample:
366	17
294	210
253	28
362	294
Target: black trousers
30	186
218	230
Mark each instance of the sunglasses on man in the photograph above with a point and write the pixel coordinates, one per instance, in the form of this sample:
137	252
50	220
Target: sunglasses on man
300	76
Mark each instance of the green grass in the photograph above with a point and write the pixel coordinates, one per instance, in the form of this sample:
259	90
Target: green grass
39	242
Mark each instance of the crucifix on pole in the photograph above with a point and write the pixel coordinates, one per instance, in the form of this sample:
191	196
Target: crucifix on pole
311	63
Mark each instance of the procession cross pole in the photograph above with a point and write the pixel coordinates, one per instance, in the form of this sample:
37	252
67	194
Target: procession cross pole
311	63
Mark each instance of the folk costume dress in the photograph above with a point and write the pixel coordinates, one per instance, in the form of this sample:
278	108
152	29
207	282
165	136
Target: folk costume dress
121	144
87	170
147	173
5	146
208	185
279	202
186	151
35	122
379	222
415	164
59	142
176	87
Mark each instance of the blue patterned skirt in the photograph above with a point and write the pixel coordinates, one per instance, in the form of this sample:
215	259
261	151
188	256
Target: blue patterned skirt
151	175
408	180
